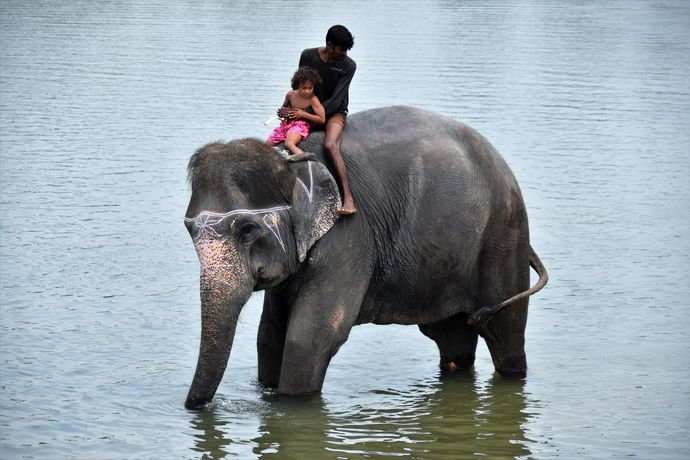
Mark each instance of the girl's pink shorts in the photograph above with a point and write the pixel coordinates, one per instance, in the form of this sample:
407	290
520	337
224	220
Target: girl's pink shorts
300	127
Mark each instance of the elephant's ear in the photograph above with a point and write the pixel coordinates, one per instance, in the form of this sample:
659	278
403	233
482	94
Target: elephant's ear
315	201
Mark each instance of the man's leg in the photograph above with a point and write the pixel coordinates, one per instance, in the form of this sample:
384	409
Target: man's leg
334	134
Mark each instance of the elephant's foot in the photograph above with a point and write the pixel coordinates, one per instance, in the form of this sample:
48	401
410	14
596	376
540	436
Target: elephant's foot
458	363
456	341
268	378
512	366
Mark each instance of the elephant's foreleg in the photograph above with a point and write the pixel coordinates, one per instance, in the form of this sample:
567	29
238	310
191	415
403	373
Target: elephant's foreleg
456	341
320	322
270	342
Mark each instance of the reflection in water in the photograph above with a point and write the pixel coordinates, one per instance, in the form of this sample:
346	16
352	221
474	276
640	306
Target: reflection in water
450	418
212	440
453	417
294	428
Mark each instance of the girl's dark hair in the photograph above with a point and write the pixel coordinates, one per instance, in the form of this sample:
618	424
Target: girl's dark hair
340	36
303	75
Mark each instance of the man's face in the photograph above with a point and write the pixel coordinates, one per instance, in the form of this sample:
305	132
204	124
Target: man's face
335	52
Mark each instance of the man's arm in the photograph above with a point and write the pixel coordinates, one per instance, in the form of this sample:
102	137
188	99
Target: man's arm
301	60
319	116
286	102
284	110
340	92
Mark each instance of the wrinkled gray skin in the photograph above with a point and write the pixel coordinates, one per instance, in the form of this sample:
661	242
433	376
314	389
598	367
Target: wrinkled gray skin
441	231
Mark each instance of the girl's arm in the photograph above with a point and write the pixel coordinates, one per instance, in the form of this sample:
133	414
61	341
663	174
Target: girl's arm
319	115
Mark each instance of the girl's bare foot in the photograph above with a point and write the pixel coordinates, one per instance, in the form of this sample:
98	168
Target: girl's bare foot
301	157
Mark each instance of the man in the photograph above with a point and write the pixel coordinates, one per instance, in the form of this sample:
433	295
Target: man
336	70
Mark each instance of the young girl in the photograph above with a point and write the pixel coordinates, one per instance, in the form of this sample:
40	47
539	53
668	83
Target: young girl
295	127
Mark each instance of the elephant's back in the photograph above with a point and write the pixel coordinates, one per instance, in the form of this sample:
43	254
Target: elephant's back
443	155
431	190
398	136
403	162
403	135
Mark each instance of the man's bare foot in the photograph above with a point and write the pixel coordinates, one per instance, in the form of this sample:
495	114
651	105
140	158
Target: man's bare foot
347	210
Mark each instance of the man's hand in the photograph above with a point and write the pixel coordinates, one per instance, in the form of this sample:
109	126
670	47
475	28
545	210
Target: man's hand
297	114
286	113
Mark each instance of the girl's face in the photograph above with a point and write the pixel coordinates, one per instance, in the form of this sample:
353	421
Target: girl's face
306	89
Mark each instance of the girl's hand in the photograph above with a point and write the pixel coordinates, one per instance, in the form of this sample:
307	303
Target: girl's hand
297	114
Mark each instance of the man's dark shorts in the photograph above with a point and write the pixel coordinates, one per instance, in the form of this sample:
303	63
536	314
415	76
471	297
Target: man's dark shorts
338	117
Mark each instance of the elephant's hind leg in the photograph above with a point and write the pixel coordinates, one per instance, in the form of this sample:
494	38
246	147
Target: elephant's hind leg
456	341
506	340
270	342
504	333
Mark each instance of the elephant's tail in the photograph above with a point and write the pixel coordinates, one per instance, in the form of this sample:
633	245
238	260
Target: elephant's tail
479	317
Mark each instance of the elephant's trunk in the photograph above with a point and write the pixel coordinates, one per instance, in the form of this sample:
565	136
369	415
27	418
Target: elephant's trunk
225	288
217	332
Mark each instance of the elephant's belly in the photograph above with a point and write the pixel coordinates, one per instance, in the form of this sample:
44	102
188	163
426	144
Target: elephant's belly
404	307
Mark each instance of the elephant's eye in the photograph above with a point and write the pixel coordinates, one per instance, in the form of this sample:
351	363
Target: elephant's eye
249	232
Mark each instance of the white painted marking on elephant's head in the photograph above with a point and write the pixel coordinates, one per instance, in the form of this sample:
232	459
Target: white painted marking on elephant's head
309	190
206	221
222	268
208	239
272	222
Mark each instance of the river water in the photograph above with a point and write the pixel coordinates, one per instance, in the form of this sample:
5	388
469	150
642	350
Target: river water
101	105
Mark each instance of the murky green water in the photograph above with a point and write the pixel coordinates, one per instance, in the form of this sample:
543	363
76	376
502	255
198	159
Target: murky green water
101	107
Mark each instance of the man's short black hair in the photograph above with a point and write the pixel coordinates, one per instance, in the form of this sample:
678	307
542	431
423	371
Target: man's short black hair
340	36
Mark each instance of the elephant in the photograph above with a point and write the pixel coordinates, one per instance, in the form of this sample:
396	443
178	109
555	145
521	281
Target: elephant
440	240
